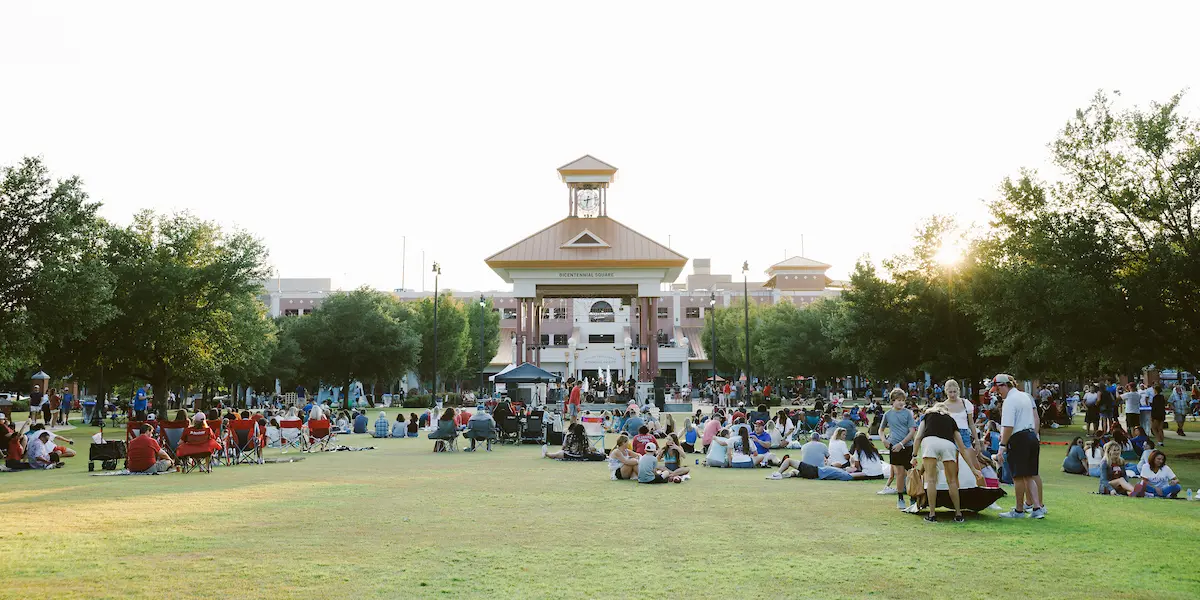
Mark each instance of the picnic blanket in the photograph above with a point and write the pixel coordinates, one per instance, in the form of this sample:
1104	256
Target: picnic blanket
125	472
345	449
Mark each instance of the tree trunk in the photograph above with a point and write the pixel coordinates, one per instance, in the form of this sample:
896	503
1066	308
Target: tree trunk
161	392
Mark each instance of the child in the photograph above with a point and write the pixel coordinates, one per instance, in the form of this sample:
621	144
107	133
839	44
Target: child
991	480
414	426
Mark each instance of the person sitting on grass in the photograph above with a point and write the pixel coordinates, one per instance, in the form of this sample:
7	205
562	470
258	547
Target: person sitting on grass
382	426
1139	439
342	424
762	445
399	427
690	435
1095	456
719	450
360	422
414	427
622	461
1076	461
1157	478
14	442
481	427
38	453
1112	472
633	422
642	438
648	470
145	455
576	446
865	459
52	444
445	428
672	454
743	455
1148	448
839	454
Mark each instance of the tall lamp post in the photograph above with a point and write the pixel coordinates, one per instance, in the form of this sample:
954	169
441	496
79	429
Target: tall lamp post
482	324
746	302
437	270
712	305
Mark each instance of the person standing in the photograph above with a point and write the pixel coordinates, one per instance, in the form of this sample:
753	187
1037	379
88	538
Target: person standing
35	403
1133	407
139	405
1158	416
900	427
64	406
573	400
1091	419
1179	405
1019	443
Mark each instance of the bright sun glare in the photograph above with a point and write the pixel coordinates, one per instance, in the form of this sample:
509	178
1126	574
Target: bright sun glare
948	254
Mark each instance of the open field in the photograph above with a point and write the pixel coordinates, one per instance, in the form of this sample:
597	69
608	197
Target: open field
400	521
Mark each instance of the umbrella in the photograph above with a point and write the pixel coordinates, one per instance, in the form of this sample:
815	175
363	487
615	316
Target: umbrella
719	378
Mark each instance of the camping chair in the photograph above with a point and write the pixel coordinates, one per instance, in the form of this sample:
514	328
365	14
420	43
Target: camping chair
449	444
132	427
189	463
510	430
246	441
534	429
291	435
320	435
593	425
170	433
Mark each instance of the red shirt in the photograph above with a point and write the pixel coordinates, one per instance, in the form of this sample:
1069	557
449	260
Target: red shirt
142	453
640	441
462	417
574	398
14	448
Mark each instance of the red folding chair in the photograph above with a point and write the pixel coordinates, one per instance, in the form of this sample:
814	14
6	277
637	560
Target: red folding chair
222	456
170	433
291	434
132	429
207	437
246	441
320	434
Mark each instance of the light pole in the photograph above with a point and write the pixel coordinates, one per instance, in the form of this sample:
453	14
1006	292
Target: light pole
482	324
712	305
746	302
437	270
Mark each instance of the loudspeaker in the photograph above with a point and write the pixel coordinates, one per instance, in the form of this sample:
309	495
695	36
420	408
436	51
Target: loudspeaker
660	383
660	399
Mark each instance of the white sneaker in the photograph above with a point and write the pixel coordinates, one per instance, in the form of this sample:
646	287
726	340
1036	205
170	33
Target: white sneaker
886	491
1013	514
545	450
994	506
685	477
776	476
613	477
900	504
1039	513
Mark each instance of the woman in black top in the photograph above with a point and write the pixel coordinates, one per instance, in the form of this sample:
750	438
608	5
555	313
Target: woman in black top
576	446
1158	415
939	445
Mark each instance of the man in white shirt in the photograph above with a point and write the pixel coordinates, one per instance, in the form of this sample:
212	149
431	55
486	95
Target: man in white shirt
1133	408
1019	441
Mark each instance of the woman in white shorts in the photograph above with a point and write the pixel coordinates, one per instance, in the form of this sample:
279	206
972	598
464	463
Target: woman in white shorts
939	443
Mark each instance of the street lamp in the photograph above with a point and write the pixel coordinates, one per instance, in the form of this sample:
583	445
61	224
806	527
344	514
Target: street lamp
437	270
746	302
482	324
712	305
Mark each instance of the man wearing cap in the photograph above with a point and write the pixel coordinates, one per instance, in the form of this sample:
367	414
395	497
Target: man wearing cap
1019	442
762	442
648	466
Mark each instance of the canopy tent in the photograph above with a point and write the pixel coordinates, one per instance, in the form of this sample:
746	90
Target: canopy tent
526	373
502	371
719	378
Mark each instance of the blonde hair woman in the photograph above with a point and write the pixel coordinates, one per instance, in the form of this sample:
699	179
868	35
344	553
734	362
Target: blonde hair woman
963	413
839	453
939	443
1112	472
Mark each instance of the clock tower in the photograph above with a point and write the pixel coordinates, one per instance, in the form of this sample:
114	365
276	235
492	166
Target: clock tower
587	180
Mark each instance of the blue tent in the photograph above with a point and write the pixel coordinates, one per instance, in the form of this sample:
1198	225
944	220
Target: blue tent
527	373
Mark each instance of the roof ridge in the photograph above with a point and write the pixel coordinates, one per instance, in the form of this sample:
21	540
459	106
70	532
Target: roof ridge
516	243
652	240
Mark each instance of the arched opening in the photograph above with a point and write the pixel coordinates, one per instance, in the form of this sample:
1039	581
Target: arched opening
601	312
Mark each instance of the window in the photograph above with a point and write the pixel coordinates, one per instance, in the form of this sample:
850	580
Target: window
692	312
545	313
601	312
662	312
560	313
291	312
560	339
510	313
307	311
602	339
545	341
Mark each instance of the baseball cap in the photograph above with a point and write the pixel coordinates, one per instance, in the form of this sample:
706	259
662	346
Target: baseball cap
1002	378
760	422
816	437
651	447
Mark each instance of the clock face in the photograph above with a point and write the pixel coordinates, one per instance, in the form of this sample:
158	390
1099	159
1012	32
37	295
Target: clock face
588	202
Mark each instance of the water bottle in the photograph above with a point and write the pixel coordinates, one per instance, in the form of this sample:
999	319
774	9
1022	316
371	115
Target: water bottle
1189	495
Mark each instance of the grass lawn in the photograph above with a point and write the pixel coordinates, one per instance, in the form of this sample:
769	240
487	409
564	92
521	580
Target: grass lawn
400	521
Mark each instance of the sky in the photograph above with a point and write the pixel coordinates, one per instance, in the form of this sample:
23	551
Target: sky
334	130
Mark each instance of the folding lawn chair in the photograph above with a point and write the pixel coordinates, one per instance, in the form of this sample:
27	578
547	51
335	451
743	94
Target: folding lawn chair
132	429
510	430
534	429
222	456
291	434
169	435
593	426
246	441
320	435
195	436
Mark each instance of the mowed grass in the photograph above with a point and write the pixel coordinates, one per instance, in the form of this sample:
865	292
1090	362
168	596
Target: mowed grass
400	521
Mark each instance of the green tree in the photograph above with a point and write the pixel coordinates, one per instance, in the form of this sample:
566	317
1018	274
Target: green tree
490	322
872	331
183	286
362	335
54	289
453	344
731	338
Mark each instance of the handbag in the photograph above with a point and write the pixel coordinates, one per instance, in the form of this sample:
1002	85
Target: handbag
915	486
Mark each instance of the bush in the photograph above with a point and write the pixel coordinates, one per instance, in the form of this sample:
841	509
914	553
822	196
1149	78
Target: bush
417	401
20	406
